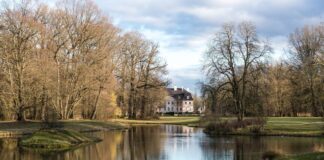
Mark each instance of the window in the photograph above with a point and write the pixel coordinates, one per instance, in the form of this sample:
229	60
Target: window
185	102
168	102
187	97
189	102
172	102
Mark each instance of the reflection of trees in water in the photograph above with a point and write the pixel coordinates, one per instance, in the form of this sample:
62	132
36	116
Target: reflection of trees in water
9	150
149	142
233	147
105	150
244	147
289	145
319	147
218	148
142	143
136	143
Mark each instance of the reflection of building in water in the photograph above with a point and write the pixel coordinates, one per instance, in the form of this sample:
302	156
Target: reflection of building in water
180	137
179	130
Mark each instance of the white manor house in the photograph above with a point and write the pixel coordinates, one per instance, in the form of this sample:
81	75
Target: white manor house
178	101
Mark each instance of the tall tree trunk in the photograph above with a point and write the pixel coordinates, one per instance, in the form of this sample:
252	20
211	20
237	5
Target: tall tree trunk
93	115
21	114
131	102
143	105
313	98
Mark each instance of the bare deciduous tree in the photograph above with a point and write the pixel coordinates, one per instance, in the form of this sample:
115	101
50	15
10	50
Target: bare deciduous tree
140	74
307	44
233	51
20	29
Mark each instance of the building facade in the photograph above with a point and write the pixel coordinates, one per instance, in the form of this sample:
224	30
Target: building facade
178	101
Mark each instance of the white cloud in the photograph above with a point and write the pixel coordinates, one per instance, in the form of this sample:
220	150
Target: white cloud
183	27
183	55
180	51
280	47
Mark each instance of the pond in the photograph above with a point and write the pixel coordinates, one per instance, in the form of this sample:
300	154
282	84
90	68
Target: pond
169	142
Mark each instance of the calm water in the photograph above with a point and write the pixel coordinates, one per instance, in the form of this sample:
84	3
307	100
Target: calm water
169	142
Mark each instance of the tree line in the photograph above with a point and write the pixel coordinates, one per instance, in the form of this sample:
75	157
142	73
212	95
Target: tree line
242	80
70	61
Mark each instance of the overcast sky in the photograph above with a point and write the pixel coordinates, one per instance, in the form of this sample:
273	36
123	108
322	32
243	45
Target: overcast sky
183	27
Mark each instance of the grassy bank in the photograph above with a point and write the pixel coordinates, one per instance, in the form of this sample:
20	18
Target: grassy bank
163	120
19	128
287	126
295	125
55	140
307	156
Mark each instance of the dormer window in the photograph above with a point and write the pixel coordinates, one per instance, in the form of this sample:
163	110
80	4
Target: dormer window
187	97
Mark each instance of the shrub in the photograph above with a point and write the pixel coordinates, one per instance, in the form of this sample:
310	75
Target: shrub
256	129
255	126
270	155
156	116
219	128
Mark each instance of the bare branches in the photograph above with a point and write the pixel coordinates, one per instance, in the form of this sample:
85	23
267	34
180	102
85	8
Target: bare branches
233	52
307	44
141	74
56	57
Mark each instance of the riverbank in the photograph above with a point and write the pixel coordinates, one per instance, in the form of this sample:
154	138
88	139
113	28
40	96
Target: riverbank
275	126
283	126
13	128
177	120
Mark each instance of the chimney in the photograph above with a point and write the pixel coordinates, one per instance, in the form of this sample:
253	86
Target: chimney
175	88
182	88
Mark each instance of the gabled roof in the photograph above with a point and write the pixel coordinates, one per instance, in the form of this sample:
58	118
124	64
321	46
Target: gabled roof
179	94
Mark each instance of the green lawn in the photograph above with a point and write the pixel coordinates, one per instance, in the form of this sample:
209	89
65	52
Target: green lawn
162	120
308	156
56	140
295	125
290	126
11	128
